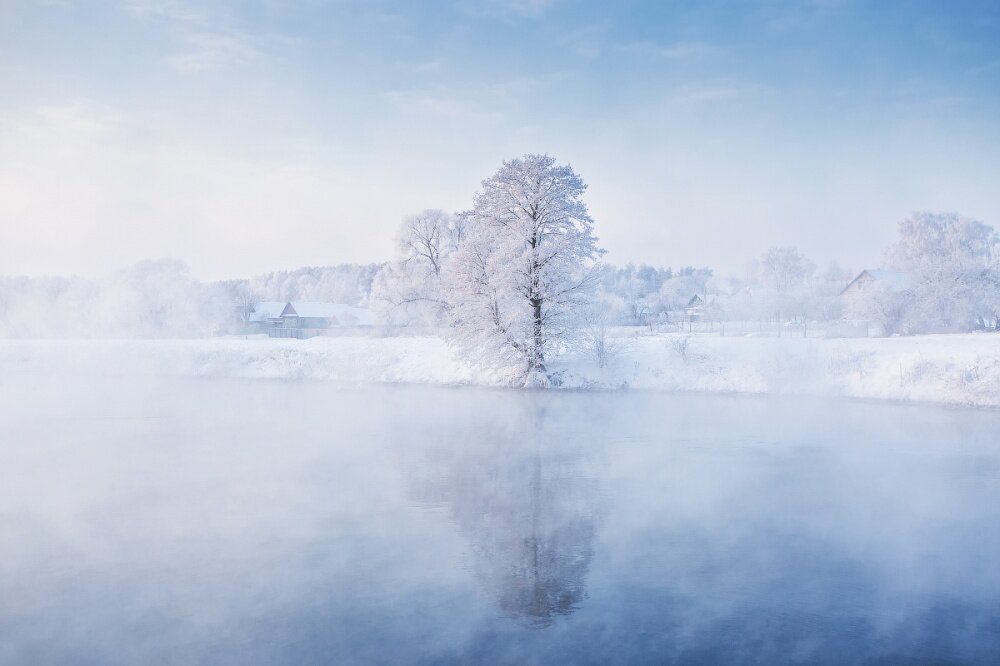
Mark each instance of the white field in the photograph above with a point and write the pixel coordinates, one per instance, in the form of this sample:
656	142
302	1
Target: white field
946	369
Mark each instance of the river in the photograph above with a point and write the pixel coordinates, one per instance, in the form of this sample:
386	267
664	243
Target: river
147	520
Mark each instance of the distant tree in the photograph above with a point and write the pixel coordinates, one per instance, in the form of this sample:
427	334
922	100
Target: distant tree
425	238
633	293
881	305
245	300
526	267
992	289
952	262
408	289
596	337
162	298
785	268
342	283
677	291
824	297
786	271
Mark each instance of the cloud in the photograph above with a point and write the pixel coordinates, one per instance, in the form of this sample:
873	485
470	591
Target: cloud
683	50
806	15
438	102
709	93
82	191
173	10
492	100
429	66
81	117
206	42
675	51
712	93
213	51
507	9
586	41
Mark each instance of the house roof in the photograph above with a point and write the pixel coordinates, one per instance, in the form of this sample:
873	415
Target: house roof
345	315
896	281
695	300
267	310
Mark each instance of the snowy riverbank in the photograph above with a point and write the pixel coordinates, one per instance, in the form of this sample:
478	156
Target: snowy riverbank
947	369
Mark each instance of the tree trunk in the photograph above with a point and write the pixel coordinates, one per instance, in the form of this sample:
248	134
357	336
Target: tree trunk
537	361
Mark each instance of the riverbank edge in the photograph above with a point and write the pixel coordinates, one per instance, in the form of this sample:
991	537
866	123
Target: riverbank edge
959	370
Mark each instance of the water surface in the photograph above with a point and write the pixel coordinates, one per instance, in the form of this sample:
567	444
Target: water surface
223	522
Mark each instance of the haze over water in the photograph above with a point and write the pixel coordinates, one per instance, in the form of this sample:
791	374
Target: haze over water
200	521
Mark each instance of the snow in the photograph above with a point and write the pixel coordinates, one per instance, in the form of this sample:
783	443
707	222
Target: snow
896	281
267	310
947	369
344	314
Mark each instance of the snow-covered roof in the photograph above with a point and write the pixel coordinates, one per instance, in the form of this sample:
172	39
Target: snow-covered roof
345	315
267	310
895	280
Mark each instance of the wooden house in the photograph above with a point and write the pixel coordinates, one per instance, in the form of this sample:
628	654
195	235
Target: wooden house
695	308
306	319
894	281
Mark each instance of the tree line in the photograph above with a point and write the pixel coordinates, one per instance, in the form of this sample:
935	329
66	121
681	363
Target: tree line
519	277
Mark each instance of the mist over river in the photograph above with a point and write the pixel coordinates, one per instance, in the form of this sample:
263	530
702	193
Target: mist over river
221	521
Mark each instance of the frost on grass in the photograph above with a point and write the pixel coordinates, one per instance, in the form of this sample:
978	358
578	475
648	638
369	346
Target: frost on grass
953	369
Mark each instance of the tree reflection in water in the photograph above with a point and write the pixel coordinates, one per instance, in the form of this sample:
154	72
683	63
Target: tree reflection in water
527	507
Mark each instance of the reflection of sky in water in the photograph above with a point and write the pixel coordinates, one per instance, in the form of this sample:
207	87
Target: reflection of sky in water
234	523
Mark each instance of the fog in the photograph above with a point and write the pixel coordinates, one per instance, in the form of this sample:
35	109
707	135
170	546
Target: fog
218	521
162	299
499	331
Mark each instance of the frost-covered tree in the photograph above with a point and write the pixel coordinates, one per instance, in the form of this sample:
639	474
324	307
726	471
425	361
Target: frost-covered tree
951	261
785	272
162	299
408	289
244	298
342	283
686	283
785	268
425	238
630	294
525	269
992	288
883	307
824	293
48	307
148	299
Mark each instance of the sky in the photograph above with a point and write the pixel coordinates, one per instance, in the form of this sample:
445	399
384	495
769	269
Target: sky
242	137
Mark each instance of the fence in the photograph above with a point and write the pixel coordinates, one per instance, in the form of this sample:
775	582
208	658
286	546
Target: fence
297	333
769	329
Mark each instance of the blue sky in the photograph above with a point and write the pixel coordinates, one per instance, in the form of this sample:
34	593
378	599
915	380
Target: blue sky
251	136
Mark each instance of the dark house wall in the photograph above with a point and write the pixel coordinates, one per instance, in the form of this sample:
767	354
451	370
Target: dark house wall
313	322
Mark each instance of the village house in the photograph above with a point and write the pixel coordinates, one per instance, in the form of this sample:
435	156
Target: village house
265	314
695	308
305	319
893	283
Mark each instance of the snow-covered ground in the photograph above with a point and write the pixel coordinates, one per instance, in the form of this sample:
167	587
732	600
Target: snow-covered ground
950	369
